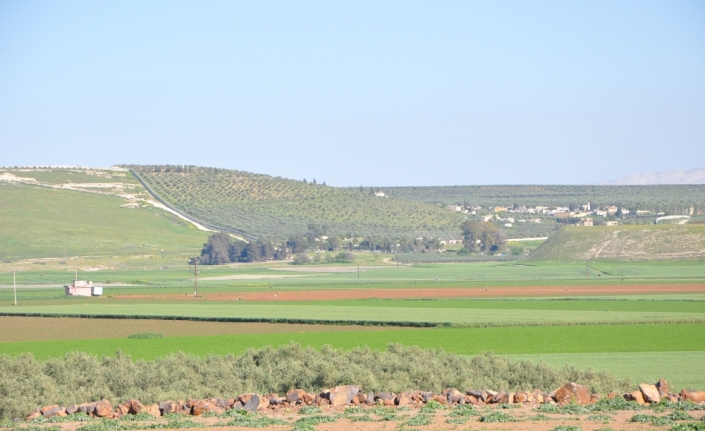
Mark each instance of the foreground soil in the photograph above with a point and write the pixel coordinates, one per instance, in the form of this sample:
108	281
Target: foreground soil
523	418
442	292
19	328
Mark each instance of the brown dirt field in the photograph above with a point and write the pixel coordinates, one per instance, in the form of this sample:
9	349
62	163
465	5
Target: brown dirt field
450	292
68	328
523	415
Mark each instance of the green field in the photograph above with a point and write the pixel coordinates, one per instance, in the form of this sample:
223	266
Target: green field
253	311
160	271
556	345
48	223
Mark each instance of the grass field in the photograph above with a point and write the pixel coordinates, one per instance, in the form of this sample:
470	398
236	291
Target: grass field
624	243
651	348
47	223
164	272
253	311
680	368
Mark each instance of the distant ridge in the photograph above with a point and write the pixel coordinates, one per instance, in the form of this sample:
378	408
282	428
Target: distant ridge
681	176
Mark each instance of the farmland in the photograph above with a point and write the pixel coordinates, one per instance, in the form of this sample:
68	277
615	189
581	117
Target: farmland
276	208
635	309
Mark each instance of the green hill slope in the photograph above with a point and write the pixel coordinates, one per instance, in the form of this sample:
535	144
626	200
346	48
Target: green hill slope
42	222
624	243
276	208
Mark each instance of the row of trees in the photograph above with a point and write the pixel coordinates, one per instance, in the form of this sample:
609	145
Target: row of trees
221	249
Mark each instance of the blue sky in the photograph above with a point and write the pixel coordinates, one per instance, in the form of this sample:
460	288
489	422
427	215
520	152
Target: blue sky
374	93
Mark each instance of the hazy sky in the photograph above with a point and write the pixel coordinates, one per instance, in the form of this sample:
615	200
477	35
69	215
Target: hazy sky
374	93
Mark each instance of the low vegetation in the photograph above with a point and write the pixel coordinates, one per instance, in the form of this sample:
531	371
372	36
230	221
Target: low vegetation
624	243
26	383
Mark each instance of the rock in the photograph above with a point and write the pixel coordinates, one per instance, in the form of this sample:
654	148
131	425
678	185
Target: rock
73	408
47	408
595	398
153	409
521	397
254	403
469	399
167	407
635	396
103	409
500	398
440	399
572	392
123	409
402	400
650	393
454	396
694	396
294	395
611	395
34	415
87	408
361	398
662	386
510	398
56	411
385	396
479	395
308	398
342	395
136	407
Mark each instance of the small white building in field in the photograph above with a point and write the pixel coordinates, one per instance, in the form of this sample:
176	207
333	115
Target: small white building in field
83	288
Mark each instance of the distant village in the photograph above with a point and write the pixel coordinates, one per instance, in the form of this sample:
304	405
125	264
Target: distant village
583	215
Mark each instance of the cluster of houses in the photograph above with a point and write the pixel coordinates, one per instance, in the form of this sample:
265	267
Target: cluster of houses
583	212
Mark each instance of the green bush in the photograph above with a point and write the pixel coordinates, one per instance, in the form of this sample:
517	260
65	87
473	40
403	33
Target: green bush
26	383
144	335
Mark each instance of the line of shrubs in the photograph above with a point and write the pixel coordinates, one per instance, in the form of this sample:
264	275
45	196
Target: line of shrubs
26	383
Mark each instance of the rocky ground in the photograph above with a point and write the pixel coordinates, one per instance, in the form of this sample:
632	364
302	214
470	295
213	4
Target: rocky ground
571	407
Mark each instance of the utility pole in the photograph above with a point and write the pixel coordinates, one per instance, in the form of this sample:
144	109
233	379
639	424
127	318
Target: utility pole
14	284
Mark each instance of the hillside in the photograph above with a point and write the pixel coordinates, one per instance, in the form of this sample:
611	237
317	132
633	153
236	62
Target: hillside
69	213
276	208
675	199
624	243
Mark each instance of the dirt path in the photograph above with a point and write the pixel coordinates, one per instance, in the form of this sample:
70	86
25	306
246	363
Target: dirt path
450	292
521	418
